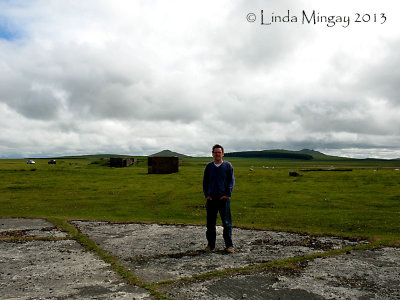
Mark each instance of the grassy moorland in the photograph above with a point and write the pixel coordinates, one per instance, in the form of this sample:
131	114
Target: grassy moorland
364	202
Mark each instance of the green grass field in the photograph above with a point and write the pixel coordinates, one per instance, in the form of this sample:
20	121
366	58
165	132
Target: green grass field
362	203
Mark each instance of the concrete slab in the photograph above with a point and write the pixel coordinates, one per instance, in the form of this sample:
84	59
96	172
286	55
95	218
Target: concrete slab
61	269
366	274
20	227
157	253
251	286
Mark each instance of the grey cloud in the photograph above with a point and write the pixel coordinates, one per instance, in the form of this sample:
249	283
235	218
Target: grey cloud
30	101
322	115
241	46
382	79
352	115
88	81
97	86
354	97
39	105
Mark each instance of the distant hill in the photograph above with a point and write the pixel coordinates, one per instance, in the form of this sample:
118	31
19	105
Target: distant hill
170	153
92	156
278	154
308	151
305	154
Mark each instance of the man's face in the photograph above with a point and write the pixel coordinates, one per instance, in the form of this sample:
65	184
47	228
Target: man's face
218	155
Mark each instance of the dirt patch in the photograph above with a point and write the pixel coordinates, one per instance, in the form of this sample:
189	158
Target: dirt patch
14	233
310	242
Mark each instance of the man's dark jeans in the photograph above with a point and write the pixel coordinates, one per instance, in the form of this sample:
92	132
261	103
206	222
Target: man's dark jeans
224	208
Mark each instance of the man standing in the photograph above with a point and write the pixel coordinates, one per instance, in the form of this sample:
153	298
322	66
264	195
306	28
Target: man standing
218	183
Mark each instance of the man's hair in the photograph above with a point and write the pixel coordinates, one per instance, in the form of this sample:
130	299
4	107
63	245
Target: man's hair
218	146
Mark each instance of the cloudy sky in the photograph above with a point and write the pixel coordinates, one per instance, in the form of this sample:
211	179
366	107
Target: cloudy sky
136	77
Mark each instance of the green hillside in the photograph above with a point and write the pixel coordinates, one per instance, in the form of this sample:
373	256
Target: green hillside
272	154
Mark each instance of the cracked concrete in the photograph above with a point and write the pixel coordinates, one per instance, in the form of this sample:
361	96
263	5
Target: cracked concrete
61	268
365	274
28	228
151	250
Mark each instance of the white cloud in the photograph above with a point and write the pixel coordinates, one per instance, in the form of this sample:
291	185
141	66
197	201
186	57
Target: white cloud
136	77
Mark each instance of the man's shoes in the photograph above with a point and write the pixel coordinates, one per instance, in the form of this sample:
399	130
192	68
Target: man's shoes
230	250
209	249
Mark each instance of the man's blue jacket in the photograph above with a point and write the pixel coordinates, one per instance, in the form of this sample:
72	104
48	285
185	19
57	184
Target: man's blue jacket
218	181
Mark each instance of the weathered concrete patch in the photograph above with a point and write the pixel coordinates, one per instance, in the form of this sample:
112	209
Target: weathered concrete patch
366	274
20	227
54	269
60	269
163	252
251	286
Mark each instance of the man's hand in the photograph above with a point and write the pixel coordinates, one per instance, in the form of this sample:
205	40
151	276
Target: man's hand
222	198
